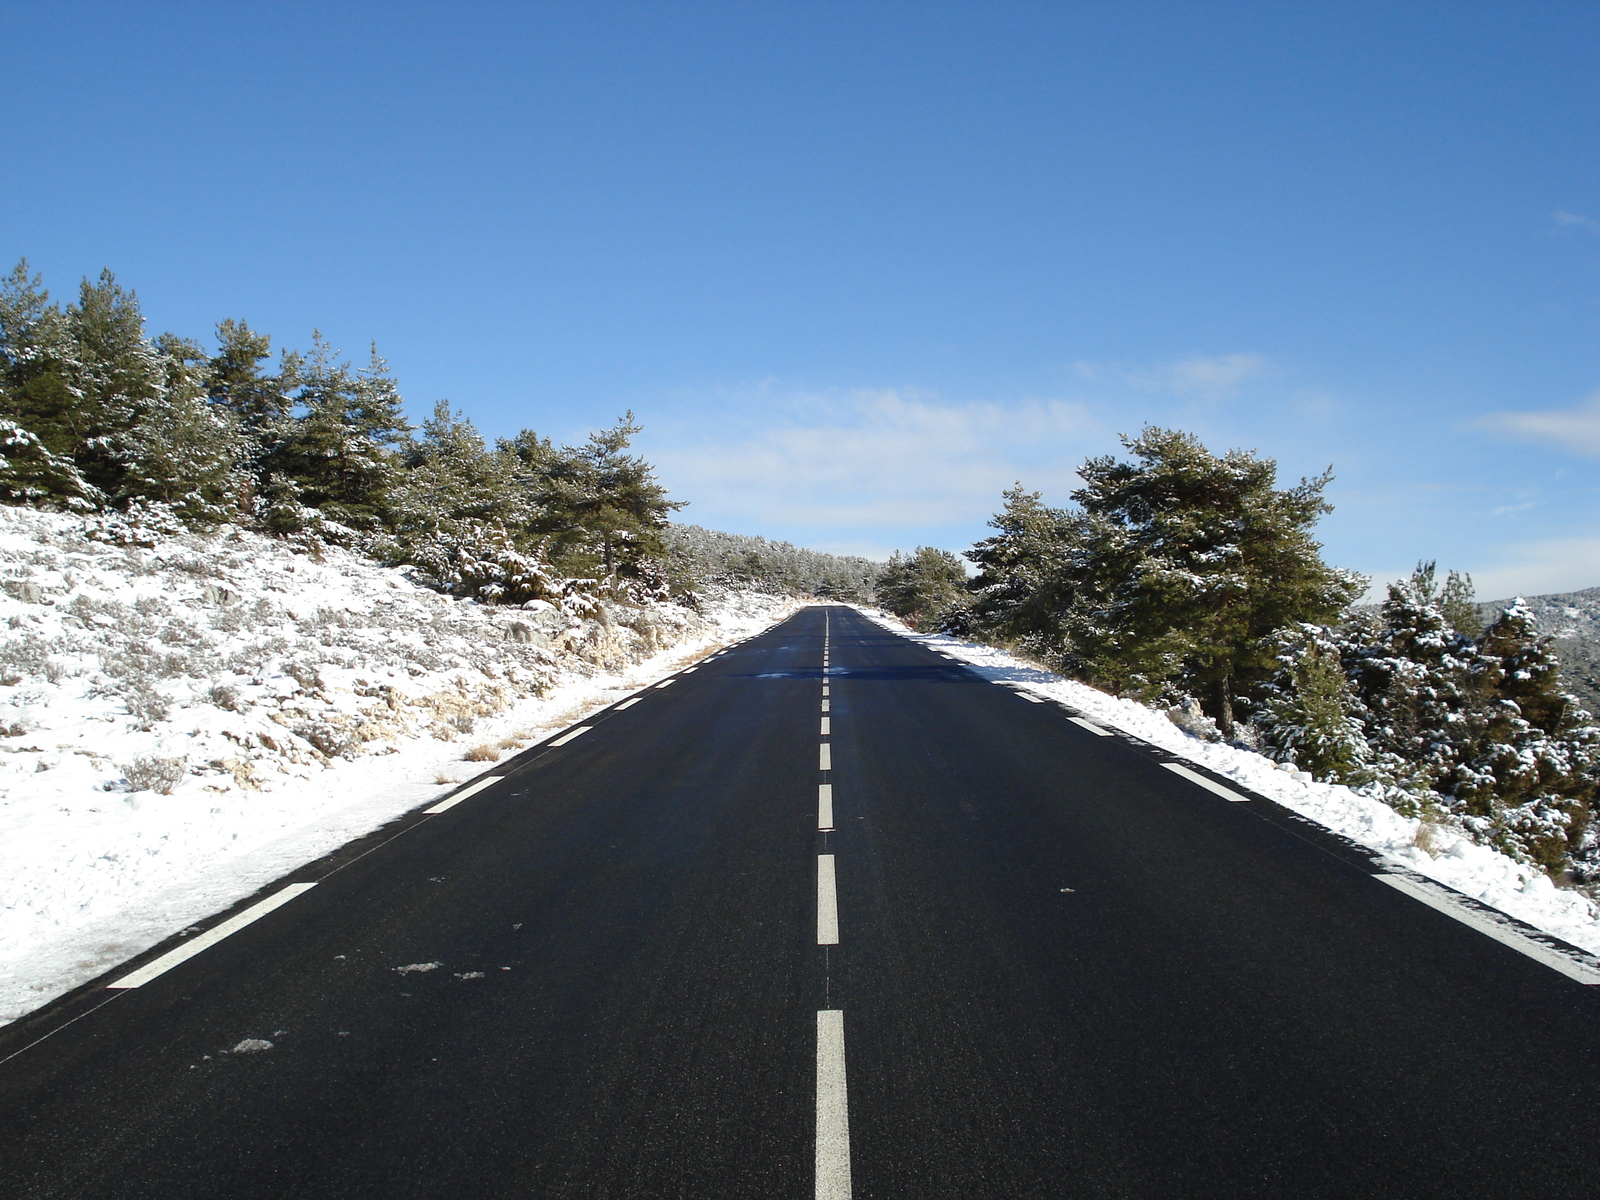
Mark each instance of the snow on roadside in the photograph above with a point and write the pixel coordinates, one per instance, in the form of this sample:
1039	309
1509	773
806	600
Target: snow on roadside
184	721
1521	891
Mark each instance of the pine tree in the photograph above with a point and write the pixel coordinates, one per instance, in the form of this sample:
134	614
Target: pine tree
36	366
1413	676
1476	727
179	449
340	451
602	507
1527	768
235	379
453	490
922	586
1459	607
1308	717
1190	563
1027	573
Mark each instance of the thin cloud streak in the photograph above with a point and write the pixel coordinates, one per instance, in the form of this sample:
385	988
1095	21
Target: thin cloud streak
1215	377
1571	219
1576	429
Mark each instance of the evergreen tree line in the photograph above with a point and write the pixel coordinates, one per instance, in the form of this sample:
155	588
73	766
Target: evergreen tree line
699	558
95	415
1190	580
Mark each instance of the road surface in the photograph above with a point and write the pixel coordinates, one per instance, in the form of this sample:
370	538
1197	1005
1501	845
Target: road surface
825	916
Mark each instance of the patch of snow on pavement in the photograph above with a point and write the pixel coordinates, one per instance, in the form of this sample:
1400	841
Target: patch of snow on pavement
1517	889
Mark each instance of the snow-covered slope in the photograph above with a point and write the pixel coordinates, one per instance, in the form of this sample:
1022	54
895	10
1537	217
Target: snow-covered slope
183	721
1524	892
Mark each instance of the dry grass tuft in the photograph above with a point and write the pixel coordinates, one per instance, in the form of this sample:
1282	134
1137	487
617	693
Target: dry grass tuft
1430	838
445	777
483	753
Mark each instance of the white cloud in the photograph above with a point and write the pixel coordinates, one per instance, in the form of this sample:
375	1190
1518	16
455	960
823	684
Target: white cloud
867	463
1215	377
1571	219
1575	429
1535	568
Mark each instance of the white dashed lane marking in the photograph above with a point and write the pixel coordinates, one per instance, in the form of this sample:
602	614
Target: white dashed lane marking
1209	784
567	737
824	806
825	757
451	801
1090	726
210	938
632	700
825	730
827	903
833	1109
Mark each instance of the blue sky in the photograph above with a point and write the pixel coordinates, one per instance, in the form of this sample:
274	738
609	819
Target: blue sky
858	267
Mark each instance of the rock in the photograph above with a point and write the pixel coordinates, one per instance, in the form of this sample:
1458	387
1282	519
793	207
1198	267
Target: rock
25	590
517	631
215	593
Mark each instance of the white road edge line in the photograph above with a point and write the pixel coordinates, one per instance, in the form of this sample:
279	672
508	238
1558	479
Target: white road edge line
567	737
631	700
452	801
1090	726
1208	784
1443	900
827	903
209	938
833	1109
825	758
824	806
666	683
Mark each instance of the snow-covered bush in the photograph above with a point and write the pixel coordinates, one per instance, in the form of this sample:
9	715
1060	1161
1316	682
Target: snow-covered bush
1472	728
155	774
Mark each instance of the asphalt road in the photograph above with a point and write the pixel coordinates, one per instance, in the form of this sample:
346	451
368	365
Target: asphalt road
1025	961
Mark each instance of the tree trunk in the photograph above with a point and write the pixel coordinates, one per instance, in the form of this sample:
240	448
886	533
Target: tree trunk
1225	706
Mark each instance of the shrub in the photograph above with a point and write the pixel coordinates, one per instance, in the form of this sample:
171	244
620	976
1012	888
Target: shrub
155	774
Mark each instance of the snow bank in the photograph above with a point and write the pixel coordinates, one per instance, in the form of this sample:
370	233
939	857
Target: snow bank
184	721
1522	891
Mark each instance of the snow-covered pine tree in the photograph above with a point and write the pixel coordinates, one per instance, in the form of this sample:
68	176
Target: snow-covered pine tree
31	473
89	386
181	450
1526	774
1308	715
1414	678
36	366
453	489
